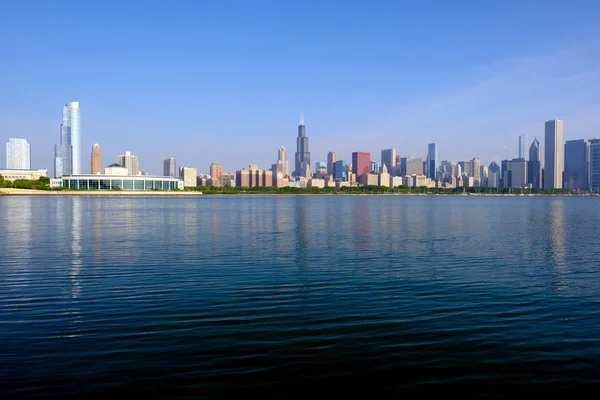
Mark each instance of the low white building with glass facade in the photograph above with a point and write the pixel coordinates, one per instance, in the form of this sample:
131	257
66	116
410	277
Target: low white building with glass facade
114	182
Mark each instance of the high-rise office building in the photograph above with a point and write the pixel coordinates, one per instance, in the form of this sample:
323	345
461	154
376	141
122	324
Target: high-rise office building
494	172
216	174
534	165
96	166
475	171
331	159
411	166
170	167
374	167
18	154
466	167
283	161
67	154
431	161
388	158
576	164
523	146
483	175
505	180
361	163
595	164
130	162
339	170
553	154
302	152
518	173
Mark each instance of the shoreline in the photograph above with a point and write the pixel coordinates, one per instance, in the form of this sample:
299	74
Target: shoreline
92	193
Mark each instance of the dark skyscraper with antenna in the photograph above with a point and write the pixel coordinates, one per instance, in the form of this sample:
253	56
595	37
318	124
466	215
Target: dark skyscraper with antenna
302	153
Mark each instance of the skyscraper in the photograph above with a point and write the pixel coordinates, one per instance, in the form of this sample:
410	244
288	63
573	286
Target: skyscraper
130	162
169	167
494	173
96	160
339	170
553	154
595	164
18	154
302	152
331	159
388	158
411	166
216	174
534	165
518	173
283	161
374	167
431	161
361	163
475	171
523	146
67	154
576	164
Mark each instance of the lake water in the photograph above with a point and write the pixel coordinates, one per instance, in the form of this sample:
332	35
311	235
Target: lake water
282	295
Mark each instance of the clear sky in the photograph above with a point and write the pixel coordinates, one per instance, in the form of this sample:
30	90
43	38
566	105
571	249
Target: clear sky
225	81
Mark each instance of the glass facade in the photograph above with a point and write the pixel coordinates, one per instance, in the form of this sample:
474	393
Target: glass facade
105	182
595	164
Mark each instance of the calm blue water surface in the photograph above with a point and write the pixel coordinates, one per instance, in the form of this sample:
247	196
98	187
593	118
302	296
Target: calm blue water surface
320	295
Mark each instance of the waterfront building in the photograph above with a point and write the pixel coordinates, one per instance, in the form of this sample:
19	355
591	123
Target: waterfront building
302	151
188	175
96	166
523	146
267	178
388	158
115	169
411	166
494	174
29	174
594	146
316	183
216	174
475	170
67	154
384	177
18	154
534	165
242	178
553	154
228	179
395	181
339	170
576	175
361	163
374	167
331	159
518	173
169	167
431	161
130	162
369	179
124	182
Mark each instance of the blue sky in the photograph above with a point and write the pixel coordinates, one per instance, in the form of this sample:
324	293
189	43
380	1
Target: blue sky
226	81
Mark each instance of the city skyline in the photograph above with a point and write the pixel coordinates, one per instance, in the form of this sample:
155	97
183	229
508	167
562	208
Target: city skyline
361	88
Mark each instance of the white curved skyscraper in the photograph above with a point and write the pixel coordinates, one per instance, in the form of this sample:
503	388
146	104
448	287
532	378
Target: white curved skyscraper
67	154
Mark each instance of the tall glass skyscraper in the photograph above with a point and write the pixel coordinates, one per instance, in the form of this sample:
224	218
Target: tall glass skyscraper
302	153
523	146
576	164
18	154
431	160
534	165
339	170
67	154
595	164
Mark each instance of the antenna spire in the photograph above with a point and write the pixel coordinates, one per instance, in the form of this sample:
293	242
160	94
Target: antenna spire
301	119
